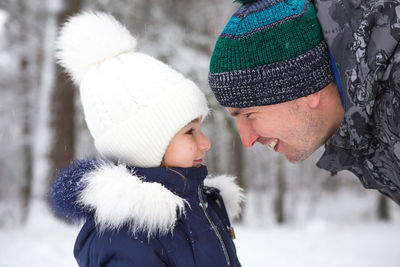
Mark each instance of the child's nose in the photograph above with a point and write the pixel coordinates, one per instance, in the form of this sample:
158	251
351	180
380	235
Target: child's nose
204	143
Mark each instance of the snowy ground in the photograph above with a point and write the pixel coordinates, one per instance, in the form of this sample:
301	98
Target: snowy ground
320	243
45	241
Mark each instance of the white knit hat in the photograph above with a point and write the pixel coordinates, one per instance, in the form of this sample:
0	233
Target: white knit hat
133	103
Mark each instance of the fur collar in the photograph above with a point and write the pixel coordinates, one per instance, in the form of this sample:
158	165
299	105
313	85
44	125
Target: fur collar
117	197
231	193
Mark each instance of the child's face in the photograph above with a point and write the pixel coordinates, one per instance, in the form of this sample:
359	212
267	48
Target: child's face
187	148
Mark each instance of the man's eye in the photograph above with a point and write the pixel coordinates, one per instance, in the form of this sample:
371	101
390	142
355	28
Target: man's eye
190	131
248	115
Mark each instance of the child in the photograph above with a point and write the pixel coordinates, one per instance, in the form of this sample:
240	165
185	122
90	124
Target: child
147	203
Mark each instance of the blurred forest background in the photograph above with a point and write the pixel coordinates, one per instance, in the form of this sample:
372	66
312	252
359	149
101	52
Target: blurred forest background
42	128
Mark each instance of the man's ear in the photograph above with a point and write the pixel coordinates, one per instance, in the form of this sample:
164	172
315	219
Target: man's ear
313	100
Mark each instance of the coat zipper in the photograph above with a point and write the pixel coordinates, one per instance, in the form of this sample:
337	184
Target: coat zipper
214	227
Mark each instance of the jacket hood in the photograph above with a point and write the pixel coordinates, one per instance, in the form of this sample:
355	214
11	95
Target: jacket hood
148	200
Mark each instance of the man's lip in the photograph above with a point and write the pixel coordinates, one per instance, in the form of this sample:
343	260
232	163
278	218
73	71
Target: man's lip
198	160
276	147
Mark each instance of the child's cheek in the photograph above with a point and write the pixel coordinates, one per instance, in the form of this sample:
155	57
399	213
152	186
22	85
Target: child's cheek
191	148
191	151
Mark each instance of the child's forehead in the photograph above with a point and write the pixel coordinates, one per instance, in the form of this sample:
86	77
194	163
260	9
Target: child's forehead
195	121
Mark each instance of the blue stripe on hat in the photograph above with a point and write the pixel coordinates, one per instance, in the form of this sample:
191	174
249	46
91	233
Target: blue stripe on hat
240	26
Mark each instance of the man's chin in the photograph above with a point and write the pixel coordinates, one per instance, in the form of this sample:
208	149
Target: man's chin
294	159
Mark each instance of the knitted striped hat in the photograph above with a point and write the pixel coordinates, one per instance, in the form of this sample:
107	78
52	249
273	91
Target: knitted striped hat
271	51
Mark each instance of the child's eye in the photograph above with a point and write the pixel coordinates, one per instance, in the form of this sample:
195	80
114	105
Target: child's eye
190	131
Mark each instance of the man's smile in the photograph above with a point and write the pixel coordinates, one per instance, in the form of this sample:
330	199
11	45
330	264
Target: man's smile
272	144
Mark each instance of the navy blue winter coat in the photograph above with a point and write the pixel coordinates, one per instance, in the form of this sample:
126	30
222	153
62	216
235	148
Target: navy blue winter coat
148	216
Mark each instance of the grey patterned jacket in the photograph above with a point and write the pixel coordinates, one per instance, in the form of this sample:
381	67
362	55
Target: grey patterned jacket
363	36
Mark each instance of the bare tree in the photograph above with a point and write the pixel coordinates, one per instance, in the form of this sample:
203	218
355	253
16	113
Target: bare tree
23	41
26	90
63	108
279	203
383	208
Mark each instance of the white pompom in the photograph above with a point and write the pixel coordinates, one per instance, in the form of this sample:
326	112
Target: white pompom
89	38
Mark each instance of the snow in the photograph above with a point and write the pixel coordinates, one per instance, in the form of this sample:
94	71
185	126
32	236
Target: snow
44	241
320	243
47	241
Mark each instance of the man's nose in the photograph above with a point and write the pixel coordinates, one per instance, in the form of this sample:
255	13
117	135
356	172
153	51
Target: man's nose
246	132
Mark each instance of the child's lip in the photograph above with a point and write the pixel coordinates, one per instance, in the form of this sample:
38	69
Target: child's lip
198	160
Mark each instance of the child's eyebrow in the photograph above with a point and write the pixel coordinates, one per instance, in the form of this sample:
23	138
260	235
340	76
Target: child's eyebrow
197	120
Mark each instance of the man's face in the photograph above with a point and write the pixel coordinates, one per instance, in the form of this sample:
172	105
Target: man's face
288	128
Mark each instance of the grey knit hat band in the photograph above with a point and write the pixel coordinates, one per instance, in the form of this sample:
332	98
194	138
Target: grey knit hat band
275	83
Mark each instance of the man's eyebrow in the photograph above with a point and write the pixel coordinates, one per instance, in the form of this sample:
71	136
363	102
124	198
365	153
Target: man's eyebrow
236	112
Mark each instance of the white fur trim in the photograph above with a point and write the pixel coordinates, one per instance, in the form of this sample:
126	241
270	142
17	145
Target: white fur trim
89	38
118	197
231	193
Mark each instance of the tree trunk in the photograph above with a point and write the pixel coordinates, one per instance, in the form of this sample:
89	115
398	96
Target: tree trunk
26	89
63	110
281	190
238	154
26	189
239	164
383	208
238	159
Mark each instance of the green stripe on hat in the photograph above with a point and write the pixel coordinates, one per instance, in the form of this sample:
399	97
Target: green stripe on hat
286	40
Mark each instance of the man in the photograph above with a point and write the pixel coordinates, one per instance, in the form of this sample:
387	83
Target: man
272	69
